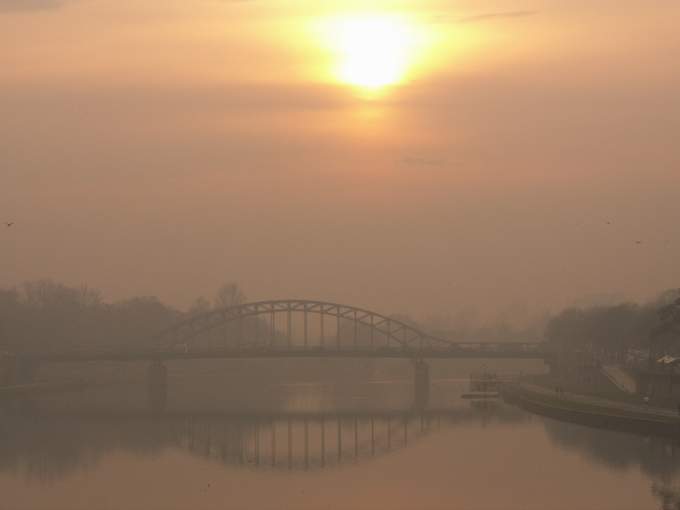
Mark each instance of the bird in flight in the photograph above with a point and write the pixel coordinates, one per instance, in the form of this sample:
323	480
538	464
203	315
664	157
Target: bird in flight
9	223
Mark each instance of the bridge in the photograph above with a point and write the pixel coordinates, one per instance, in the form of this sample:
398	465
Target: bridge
297	329
292	328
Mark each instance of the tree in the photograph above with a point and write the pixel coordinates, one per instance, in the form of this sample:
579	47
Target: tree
9	310
45	316
48	294
199	307
229	294
609	330
666	333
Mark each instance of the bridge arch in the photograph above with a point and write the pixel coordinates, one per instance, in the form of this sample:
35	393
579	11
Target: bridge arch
367	329
305	442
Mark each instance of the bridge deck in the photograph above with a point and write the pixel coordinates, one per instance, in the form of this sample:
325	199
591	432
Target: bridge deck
274	353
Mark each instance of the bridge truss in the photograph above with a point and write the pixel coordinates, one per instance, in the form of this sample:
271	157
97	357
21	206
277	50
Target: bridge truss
316	328
296	328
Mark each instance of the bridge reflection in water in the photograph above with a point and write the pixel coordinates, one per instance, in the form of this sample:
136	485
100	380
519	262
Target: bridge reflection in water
52	445
47	447
302	443
305	442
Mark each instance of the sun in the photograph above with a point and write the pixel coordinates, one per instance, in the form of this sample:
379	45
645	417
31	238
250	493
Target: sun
371	51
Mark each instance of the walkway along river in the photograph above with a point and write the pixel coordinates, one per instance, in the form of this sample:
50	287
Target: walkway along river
593	411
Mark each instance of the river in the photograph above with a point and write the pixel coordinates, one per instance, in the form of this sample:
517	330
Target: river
336	445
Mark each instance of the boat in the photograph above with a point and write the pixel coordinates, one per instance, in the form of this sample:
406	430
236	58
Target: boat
483	385
485	382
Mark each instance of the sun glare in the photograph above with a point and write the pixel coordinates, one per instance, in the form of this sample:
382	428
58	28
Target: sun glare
371	51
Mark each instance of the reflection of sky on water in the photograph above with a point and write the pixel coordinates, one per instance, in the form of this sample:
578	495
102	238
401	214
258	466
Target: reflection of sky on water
492	456
302	435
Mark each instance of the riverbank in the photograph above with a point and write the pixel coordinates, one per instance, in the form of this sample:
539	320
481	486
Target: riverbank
593	411
596	384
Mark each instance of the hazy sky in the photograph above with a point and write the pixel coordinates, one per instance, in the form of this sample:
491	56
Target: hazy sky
163	147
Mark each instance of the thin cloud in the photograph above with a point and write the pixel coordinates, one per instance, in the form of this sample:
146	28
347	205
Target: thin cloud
29	5
496	15
485	16
422	161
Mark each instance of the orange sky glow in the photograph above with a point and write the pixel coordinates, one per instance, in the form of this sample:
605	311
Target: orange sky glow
428	157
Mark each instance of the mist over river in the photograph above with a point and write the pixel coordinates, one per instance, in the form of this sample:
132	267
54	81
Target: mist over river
344	443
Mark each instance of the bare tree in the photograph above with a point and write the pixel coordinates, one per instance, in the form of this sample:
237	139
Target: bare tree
199	306
229	294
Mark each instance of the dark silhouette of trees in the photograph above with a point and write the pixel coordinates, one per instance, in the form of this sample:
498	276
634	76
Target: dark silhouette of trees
612	330
229	294
48	316
665	336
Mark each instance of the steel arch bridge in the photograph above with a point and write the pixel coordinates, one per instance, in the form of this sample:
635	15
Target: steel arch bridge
299	328
296	328
382	330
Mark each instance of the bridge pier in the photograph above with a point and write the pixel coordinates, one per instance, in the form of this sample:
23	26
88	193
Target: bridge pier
15	370
7	370
421	384
157	387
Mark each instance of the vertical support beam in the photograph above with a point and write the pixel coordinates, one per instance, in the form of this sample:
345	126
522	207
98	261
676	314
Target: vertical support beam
306	425
337	329
272	332
273	443
257	443
289	326
339	440
356	438
356	330
372	331
208	442
421	384
323	442
225	444
241	444
322	338
290	444
256	318
372	436
240	329
226	327
389	434
305	327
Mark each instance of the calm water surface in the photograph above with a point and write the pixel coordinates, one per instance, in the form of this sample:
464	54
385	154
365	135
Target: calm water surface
324	446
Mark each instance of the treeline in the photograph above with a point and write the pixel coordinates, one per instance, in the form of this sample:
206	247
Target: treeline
47	316
614	330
